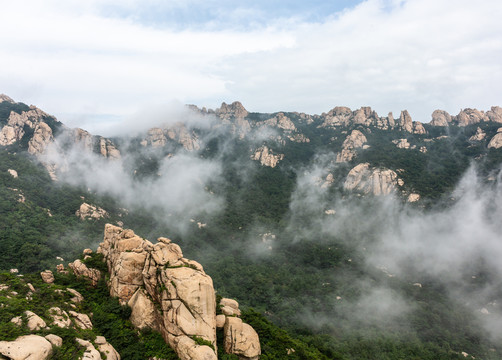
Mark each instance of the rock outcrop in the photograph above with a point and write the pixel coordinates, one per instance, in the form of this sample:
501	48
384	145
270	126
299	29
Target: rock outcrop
496	141
81	270
478	136
168	293
28	347
145	274
440	118
241	339
368	180
266	157
356	140
88	211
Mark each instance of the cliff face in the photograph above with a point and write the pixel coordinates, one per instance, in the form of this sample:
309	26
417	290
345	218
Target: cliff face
169	293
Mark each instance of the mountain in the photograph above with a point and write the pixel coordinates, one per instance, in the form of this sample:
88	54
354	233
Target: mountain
361	236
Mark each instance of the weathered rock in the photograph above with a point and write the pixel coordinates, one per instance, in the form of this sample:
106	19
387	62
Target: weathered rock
28	347
13	173
146	276
41	138
266	157
106	348
478	136
5	98
143	311
230	307
440	118
31	287
47	276
233	110
372	180
496	141
18	320
81	270
470	117
241	339
90	351
77	297
81	320
35	322
402	143
495	114
220	321
88	211
404	122
413	197
59	317
87	252
108	149
355	140
54	340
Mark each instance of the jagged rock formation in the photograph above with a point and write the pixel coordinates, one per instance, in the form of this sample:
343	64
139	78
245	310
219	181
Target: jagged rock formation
165	291
265	157
179	286
88	211
402	143
241	339
158	137
356	140
81	270
374	181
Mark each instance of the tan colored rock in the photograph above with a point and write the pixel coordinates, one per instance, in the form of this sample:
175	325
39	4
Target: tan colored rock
413	198
230	307
495	114
440	118
108	149
374	181
47	276
81	270
18	320
54	340
187	349
355	140
404	122
496	141
241	339
220	321
106	348
188	139
12	173
418	128
266	157
41	138
144	314
5	98
470	117
35	322
148	276
90	351
28	347
478	136
87	251
60	268
233	110
402	143
59	317
31	287
88	211
77	297
82	321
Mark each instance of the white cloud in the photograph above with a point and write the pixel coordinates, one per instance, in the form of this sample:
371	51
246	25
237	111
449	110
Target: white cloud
83	59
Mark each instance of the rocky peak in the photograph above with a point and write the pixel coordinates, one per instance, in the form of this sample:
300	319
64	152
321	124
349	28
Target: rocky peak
440	118
5	98
470	116
355	140
236	110
495	114
404	122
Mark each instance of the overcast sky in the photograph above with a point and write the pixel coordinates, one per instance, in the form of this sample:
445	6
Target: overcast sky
94	62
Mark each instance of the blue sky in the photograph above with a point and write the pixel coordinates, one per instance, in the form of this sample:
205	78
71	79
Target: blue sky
97	63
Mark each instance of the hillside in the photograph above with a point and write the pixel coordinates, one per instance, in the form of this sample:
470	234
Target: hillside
362	236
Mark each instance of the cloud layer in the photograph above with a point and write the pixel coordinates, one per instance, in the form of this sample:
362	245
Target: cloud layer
97	61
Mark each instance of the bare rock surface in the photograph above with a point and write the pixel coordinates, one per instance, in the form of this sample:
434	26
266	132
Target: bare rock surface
47	276
440	118
81	320
90	352
89	211
59	317
28	347
355	140
266	157
478	136
374	181
35	322
54	340
81	270
496	141
165	290
241	339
